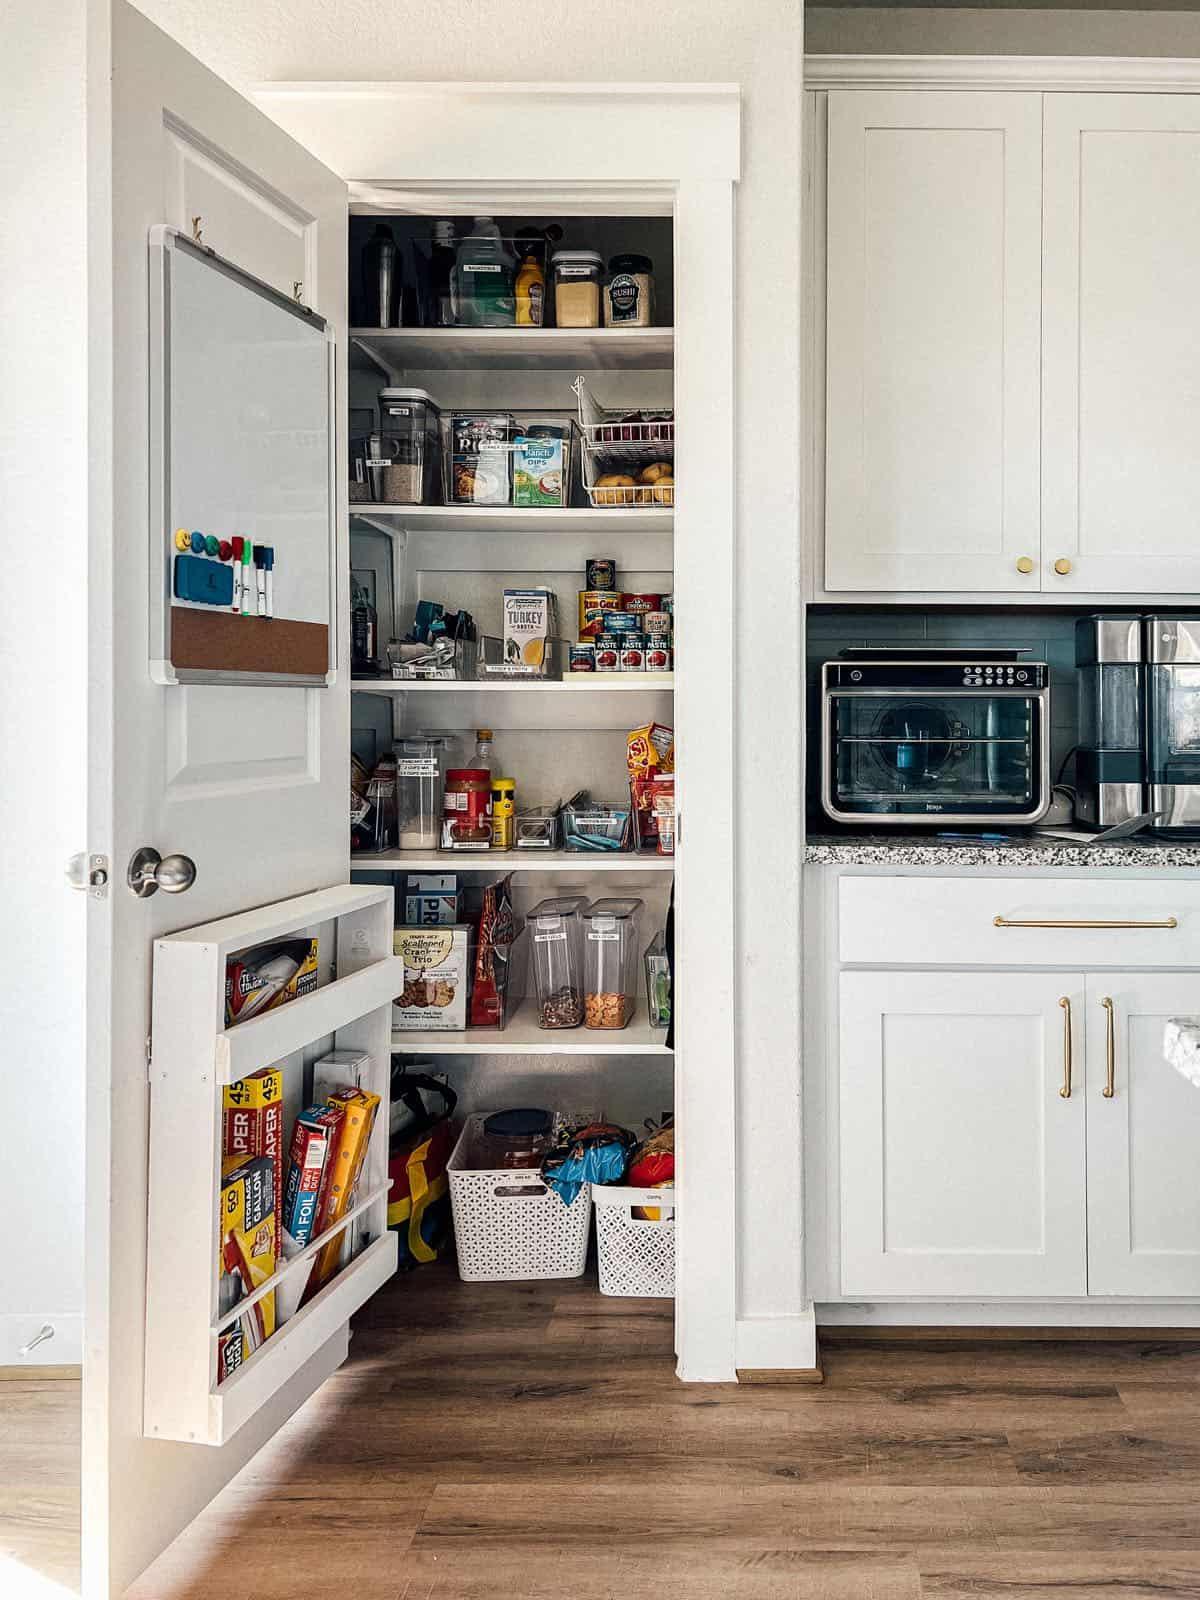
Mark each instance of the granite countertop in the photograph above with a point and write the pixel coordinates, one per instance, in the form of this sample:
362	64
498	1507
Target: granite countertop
1057	849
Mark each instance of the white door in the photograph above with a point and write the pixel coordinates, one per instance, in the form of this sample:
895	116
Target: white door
1121	343
1143	1198
962	1162
250	783
933	282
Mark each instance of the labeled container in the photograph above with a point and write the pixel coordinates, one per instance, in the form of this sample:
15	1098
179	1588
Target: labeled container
537	828
576	276
635	1240
658	982
467	809
629	293
403	467
556	959
543	456
611	949
420	779
477	450
595	827
485	278
516	1140
504	813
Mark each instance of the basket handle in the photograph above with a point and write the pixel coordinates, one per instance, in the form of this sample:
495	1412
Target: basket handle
519	1191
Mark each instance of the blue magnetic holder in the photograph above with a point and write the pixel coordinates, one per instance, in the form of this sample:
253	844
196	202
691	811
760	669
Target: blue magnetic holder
208	583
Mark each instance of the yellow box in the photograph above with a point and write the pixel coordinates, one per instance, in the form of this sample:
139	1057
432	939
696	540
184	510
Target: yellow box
246	1253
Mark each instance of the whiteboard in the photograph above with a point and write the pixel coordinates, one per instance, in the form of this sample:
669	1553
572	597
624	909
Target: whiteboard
242	445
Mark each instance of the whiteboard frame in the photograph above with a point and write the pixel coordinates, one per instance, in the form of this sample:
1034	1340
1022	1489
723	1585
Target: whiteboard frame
164	241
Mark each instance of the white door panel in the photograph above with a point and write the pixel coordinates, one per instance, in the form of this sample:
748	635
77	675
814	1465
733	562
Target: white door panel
250	783
1143	1198
962	1165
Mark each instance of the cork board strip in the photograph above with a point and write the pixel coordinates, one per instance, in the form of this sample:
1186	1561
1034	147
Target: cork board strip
218	641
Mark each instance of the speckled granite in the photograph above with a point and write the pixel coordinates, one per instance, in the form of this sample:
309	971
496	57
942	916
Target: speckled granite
917	850
1181	1047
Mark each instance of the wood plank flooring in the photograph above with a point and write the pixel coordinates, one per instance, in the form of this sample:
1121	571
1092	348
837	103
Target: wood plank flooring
39	1479
530	1442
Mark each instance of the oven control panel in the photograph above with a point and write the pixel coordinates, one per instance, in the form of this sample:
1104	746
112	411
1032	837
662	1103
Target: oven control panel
1020	676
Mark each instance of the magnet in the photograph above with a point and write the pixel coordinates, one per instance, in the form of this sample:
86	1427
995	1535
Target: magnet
224	550
183	539
212	544
197	544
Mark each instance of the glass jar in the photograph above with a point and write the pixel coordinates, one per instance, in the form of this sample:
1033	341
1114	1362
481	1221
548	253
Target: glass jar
512	1140
556	958
467	809
420	777
629	293
610	957
405	453
576	275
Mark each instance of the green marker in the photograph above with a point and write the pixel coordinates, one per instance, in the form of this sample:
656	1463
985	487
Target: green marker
247	580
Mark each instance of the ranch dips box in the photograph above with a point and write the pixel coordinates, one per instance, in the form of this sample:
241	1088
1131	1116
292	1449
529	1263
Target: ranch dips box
529	619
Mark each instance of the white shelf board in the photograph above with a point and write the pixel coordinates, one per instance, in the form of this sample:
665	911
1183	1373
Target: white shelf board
582	861
583	683
510	519
519	349
523	1037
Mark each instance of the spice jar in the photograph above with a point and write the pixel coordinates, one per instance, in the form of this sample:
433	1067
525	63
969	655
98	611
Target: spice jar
629	295
504	813
576	275
467	809
556	960
610	958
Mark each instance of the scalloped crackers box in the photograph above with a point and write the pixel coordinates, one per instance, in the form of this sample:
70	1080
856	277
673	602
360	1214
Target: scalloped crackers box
436	978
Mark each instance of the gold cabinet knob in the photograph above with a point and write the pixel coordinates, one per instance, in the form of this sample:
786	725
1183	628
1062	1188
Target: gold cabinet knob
1062	566
1025	564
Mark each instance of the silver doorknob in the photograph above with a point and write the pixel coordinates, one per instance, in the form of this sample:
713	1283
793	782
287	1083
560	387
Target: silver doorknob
149	872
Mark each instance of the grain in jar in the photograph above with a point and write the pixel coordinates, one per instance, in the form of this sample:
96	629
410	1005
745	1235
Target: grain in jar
629	293
576	275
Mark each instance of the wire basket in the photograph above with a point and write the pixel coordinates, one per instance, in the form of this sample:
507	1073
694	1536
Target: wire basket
635	1254
617	444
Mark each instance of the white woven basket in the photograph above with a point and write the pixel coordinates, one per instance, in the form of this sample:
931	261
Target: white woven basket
508	1226
636	1257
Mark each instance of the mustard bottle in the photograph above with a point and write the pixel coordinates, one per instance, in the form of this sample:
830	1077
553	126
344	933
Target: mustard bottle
504	813
530	292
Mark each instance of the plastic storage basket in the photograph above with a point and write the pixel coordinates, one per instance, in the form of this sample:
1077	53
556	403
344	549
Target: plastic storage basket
635	1257
509	1226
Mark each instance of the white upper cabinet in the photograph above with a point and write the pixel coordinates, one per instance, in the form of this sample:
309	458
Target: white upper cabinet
933	326
1121	375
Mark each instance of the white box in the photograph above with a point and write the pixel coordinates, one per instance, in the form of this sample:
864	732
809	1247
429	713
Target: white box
436	978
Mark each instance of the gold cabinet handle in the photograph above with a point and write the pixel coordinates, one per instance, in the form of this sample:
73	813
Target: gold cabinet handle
1079	922
1110	1049
1025	564
1065	1091
1062	566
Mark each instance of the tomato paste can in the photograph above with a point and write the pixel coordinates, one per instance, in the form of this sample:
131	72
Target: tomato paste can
657	624
640	604
658	655
608	654
593	606
621	622
633	652
582	656
600	572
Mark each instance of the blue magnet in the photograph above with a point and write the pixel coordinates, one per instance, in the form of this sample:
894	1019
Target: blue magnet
197	544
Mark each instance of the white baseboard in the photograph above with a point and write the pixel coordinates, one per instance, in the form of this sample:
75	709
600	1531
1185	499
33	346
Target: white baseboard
1009	1314
64	1349
786	1344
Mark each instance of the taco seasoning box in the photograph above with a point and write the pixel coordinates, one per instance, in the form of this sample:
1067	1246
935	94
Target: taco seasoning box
629	295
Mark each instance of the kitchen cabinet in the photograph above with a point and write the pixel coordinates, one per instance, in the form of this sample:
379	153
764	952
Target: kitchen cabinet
962	1163
932	316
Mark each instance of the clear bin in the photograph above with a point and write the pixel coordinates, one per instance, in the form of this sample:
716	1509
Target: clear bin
610	962
477	449
594	827
420	775
403	469
537	828
556	958
576	276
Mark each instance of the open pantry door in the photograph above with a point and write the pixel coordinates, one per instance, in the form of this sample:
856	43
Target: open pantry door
247	781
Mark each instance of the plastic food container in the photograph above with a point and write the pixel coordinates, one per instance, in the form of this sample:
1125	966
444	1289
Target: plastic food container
512	1139
403	465
556	957
467	809
478	457
611	949
576	275
595	827
420	775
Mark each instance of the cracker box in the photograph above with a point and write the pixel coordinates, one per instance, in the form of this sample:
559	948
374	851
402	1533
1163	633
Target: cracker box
246	1252
313	1135
268	975
342	1171
436	978
252	1125
431	898
528	626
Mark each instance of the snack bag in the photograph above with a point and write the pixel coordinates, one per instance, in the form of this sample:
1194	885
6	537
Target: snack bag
493	950
650	748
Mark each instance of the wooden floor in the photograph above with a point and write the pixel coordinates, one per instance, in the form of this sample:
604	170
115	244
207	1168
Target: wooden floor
39	1481
530	1440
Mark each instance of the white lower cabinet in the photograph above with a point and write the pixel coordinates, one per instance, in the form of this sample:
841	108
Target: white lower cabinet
962	1164
968	1170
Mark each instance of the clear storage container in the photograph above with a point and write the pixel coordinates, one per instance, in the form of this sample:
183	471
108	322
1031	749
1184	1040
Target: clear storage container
420	775
404	463
610	962
556	946
577	276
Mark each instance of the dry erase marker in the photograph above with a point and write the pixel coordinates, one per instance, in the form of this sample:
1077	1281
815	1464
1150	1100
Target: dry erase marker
268	562
238	545
247	578
260	575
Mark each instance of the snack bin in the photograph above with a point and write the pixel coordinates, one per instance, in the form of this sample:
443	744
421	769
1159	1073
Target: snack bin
556	960
508	1226
635	1240
610	962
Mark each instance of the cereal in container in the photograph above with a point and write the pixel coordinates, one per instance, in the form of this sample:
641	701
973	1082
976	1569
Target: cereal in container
610	961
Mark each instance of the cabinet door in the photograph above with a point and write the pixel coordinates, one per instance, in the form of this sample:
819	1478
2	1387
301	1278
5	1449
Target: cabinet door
1143	1198
1121	343
962	1164
933	285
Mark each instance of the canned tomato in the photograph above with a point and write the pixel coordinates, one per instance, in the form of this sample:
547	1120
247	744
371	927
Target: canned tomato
658	655
668	604
582	656
640	604
593	603
600	573
633	652
621	622
608	654
657	624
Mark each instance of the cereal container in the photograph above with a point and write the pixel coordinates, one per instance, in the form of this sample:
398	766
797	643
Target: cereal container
556	960
610	959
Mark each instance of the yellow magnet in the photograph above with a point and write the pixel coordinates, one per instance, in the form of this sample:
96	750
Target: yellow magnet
183	539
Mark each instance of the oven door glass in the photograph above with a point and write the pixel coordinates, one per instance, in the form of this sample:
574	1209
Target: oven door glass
931	755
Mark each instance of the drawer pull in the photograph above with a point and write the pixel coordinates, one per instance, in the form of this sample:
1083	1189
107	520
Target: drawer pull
1070	922
1110	1050
1065	1091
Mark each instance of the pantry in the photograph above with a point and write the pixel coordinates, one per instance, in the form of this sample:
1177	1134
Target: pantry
501	496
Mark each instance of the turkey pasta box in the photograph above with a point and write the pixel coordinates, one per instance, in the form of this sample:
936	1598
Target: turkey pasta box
436	978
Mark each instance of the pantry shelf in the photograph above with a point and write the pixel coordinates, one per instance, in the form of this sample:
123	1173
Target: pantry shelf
505	519
523	1037
582	861
585	683
395	350
604	700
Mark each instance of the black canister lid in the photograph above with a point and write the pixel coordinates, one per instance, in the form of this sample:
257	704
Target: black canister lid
523	1123
629	263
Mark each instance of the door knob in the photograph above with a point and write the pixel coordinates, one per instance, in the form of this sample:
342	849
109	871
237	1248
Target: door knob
149	872
1025	564
1062	566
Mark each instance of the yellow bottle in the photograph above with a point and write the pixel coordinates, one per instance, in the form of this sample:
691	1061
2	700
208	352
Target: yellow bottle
531	293
504	813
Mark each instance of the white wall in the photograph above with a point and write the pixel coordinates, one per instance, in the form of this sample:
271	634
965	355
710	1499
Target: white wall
683	40
43	495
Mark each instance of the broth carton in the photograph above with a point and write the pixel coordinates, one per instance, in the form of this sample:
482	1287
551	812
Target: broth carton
529	616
